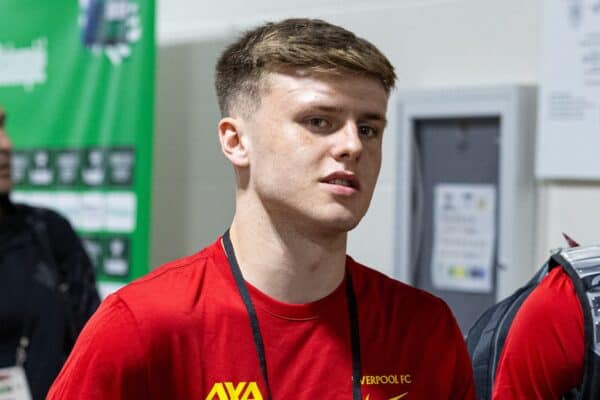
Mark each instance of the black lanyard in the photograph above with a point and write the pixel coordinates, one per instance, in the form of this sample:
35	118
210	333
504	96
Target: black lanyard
258	341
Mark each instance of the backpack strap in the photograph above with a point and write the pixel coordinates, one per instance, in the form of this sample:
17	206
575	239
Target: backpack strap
486	337
582	264
35	220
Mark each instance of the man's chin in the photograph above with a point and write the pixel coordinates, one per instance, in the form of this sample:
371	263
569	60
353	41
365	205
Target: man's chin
342	225
5	187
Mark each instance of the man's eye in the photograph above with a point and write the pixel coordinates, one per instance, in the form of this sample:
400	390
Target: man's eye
367	131
318	123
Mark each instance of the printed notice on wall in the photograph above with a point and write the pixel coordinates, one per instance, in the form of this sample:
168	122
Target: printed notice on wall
569	97
464	237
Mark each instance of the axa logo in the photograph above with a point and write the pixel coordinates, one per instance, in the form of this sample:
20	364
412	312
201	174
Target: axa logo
234	391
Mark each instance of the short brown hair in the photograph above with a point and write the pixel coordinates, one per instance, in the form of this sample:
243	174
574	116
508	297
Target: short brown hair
310	44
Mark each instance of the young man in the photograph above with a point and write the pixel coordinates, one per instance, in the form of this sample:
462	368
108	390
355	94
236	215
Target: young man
275	309
47	288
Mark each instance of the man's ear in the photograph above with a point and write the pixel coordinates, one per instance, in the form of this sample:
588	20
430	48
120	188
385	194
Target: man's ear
233	142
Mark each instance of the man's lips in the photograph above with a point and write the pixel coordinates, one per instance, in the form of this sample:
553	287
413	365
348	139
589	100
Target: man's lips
342	178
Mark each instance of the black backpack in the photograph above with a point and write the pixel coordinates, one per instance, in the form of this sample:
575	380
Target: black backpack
486	337
77	308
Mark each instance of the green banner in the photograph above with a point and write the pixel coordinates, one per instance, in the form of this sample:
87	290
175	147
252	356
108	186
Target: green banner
77	84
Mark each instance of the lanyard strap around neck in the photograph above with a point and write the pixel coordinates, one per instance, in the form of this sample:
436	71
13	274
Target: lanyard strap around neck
258	340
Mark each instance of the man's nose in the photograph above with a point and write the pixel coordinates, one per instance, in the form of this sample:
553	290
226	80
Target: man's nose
348	143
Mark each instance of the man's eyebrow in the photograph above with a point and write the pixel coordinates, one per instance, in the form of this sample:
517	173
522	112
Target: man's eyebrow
367	116
325	108
376	117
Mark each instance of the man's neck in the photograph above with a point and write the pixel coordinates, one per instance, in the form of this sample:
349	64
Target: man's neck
290	266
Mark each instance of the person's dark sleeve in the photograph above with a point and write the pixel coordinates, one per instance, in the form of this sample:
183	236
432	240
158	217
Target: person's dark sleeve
76	270
544	350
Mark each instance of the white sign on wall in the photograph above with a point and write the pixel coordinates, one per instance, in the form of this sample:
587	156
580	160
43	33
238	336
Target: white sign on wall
569	113
464	237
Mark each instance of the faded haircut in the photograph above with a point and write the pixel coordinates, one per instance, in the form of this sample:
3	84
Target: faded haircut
311	45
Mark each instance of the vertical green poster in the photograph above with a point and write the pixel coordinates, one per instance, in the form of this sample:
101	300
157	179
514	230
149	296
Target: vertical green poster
77	84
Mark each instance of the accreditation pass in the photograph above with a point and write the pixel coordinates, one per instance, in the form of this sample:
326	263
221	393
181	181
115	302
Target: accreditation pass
13	384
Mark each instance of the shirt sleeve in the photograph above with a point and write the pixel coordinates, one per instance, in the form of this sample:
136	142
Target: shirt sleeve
107	361
544	350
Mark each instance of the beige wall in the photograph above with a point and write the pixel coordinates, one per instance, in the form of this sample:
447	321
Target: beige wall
569	207
192	186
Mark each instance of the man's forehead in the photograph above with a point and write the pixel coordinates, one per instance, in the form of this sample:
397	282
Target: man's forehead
328	90
316	75
317	80
290	80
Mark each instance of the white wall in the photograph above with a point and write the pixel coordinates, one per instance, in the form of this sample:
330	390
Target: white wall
569	207
192	187
432	43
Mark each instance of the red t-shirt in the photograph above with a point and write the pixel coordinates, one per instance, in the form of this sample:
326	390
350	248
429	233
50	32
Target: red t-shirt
544	350
182	332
